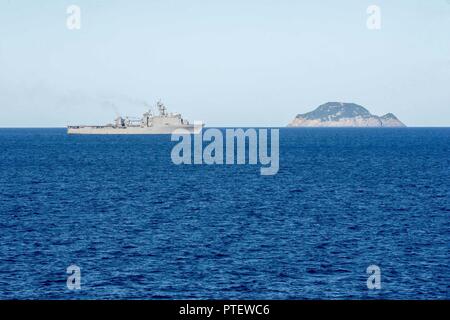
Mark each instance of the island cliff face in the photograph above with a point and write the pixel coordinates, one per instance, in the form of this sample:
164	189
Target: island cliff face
340	114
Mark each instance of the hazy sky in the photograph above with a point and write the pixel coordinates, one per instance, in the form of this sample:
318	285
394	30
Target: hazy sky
228	63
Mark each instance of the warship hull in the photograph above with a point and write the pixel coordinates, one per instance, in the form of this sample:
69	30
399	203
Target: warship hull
164	123
191	129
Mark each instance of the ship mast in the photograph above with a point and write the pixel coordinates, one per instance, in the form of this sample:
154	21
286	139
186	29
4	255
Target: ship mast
162	109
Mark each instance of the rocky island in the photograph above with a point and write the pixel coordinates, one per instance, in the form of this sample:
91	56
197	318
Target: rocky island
341	114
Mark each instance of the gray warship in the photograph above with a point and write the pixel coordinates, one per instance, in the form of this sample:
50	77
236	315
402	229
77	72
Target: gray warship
163	123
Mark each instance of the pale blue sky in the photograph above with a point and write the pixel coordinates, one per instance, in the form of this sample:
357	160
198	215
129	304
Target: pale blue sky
228	63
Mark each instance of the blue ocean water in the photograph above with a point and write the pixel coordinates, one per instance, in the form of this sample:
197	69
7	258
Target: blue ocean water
140	227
